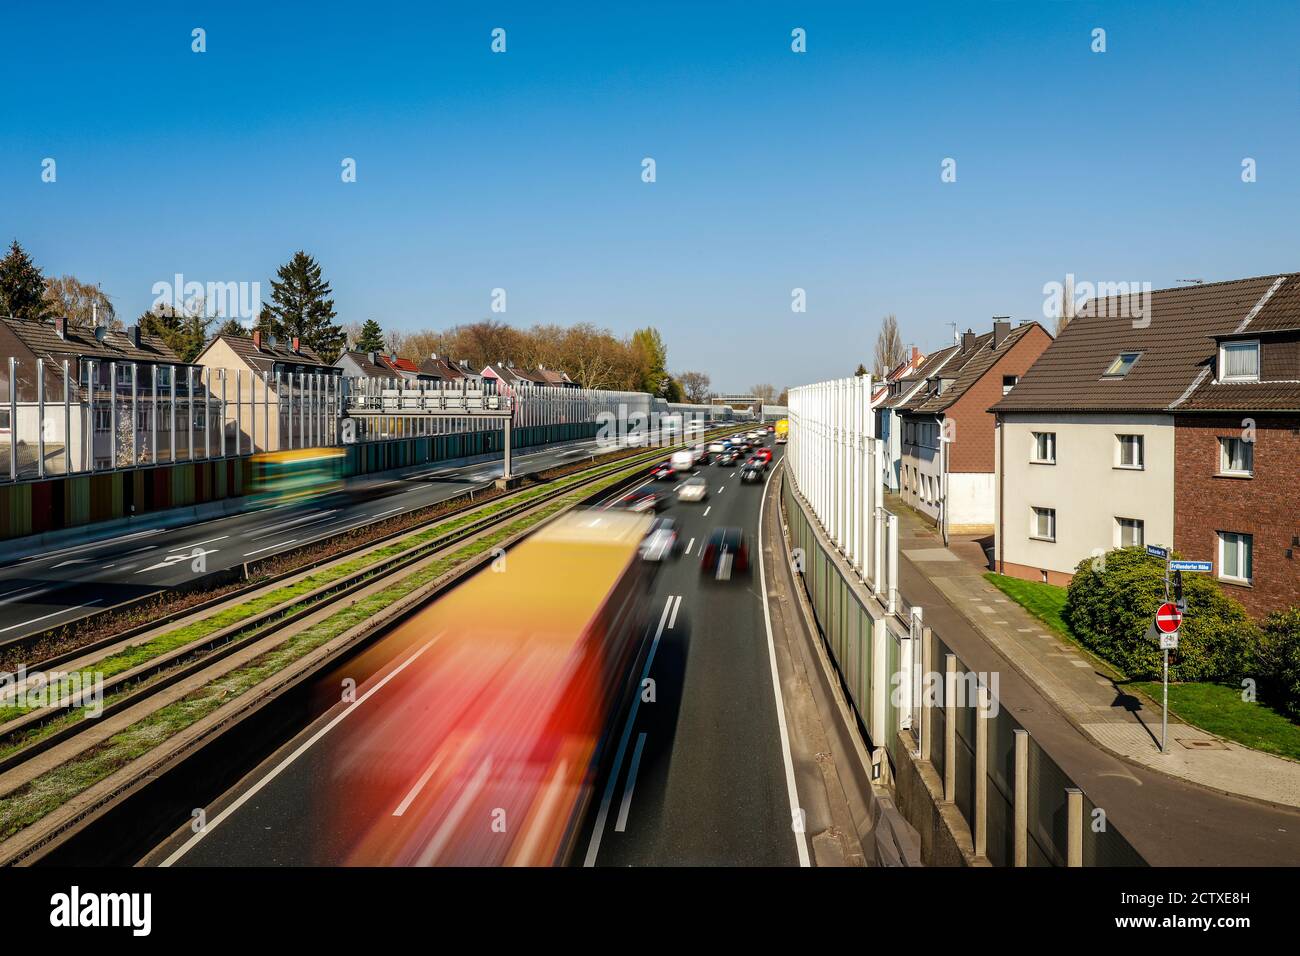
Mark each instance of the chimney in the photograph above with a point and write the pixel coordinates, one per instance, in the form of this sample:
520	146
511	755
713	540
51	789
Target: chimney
967	340
257	339
1001	329
916	355
374	358
297	342
61	327
134	332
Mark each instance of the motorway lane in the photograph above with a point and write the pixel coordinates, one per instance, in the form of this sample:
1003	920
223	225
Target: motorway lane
702	780
710	783
64	584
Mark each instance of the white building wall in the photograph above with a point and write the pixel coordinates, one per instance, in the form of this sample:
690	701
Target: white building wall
1085	486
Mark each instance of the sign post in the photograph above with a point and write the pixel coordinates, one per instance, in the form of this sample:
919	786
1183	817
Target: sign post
1168	618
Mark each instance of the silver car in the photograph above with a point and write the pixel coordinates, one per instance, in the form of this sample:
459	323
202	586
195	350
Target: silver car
695	488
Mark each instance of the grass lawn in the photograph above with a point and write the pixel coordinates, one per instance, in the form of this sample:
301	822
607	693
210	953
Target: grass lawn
1043	601
1219	709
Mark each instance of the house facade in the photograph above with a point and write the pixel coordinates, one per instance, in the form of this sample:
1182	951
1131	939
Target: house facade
887	405
947	465
1177	429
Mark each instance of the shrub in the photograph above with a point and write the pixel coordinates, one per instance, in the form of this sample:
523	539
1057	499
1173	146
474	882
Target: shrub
1279	661
1111	604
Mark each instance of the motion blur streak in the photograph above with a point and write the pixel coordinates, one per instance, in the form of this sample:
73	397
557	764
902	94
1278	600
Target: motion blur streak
282	477
485	750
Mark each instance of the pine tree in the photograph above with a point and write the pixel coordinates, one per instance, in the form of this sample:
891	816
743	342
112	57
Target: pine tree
233	327
301	306
22	286
183	334
371	338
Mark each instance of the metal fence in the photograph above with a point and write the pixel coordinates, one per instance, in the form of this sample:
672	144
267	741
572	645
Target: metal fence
1020	807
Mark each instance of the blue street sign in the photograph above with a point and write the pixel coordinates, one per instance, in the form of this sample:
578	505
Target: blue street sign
1190	566
1156	551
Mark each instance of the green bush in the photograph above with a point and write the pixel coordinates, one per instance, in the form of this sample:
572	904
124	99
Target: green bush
1111	604
1279	661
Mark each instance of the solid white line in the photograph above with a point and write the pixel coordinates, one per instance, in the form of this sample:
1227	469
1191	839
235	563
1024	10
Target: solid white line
152	547
419	785
689	546
621	823
197	543
249	554
33	590
598	831
272	528
792	791
94	544
302	749
65	610
392	511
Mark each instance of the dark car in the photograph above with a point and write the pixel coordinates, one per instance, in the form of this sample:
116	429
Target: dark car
751	471
729	457
662	472
641	500
725	554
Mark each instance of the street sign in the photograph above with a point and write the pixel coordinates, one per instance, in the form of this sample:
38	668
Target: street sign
1157	552
1169	642
1168	617
1190	566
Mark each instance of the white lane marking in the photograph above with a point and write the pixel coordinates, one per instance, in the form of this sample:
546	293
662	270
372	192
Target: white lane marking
689	546
419	785
672	621
94	544
66	610
198	543
457	813
34	590
172	559
707	510
262	532
392	511
598	831
152	547
306	745
732	475
249	554
792	791
71	561
722	489
621	823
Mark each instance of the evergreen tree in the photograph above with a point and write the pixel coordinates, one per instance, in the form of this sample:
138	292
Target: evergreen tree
652	356
371	338
232	327
22	286
301	306
183	334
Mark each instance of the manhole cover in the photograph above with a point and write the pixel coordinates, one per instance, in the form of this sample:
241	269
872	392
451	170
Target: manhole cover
1200	743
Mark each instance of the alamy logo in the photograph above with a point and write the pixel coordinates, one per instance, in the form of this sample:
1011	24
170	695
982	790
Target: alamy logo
53	689
1119	300
229	300
72	909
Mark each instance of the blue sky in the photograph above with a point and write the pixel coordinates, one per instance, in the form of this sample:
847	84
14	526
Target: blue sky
775	170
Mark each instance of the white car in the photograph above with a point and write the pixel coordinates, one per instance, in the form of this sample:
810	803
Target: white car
695	488
661	542
700	452
682	461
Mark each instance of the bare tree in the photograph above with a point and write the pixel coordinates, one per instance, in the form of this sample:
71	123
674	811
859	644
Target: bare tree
764	393
696	385
889	347
79	302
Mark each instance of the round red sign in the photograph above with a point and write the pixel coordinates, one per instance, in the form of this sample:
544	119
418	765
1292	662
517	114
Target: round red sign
1168	617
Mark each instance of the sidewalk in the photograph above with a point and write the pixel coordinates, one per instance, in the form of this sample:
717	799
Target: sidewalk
1083	687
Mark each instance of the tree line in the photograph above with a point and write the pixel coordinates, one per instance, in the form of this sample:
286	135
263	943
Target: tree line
301	305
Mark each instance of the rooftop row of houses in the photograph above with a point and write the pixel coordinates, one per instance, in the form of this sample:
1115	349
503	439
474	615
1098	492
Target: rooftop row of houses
1175	425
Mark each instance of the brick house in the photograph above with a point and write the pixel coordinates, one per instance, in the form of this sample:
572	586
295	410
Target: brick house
1177	429
947	468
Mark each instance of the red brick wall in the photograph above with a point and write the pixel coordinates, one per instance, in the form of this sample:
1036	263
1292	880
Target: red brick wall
973	451
1266	506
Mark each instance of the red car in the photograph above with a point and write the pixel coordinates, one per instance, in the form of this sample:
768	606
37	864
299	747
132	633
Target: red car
725	554
765	454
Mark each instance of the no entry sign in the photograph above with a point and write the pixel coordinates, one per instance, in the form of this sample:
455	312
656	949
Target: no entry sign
1168	617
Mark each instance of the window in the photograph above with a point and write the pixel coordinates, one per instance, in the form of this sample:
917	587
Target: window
1009	382
1130	532
1122	364
1236	457
1044	448
102	419
1235	556
1239	361
1130	451
4	418
1043	524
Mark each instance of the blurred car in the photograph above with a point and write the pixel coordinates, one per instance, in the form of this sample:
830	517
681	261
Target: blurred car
765	454
725	554
683	461
695	488
771	429
751	471
700	453
662	472
728	457
642	500
660	543
718	447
